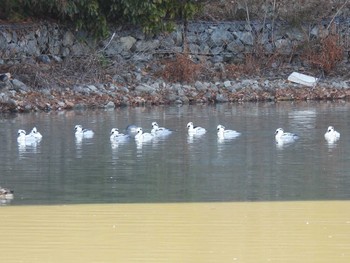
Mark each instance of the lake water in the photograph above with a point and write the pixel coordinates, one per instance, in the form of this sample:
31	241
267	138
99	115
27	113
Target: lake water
179	199
177	168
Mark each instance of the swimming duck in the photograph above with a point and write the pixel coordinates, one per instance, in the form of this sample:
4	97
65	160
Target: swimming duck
117	136
24	138
80	132
194	130
285	137
226	134
143	137
6	193
331	135
159	131
37	135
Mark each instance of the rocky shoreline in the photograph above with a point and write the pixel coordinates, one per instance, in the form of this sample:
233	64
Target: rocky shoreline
16	96
45	67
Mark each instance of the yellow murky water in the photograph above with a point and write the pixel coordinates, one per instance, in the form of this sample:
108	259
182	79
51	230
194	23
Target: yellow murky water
186	232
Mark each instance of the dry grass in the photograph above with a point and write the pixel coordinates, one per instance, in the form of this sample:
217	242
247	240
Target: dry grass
181	69
91	69
325	54
295	11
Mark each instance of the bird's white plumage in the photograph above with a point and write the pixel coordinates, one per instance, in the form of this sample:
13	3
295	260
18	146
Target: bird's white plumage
331	134
226	134
35	133
143	137
285	137
26	139
159	131
117	136
85	133
192	130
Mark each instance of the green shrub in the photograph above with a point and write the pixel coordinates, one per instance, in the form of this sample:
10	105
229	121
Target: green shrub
94	15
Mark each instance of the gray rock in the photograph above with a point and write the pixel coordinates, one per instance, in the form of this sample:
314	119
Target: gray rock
194	48
171	97
235	46
110	105
220	36
217	50
192	39
57	58
4	97
92	88
19	85
68	39
150	45
44	59
177	36
221	98
246	37
184	100
61	104
3	42
79	106
78	89
124	89
127	42
32	47
167	43
227	84
217	59
199	86
65	51
284	46
144	88
296	34
77	49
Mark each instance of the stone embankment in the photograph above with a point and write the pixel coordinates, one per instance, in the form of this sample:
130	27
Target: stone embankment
15	96
218	43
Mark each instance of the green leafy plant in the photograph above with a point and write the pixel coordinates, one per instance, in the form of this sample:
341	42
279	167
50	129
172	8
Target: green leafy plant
95	15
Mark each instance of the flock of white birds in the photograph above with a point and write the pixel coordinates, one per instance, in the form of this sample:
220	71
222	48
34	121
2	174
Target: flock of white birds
35	136
136	132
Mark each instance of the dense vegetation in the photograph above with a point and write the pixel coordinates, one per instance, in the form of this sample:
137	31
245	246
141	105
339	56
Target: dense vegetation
95	15
161	15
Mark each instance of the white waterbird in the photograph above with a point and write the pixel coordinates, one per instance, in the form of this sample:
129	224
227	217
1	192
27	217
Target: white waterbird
116	136
226	134
285	137
83	133
159	131
194	130
143	137
331	135
35	133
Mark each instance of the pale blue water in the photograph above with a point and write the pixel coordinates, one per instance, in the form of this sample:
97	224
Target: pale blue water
177	169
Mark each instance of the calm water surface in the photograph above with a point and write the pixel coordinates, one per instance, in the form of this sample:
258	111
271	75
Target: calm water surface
178	232
178	199
177	168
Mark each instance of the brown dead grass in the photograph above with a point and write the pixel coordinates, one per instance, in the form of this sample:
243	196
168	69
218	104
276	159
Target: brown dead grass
69	72
325	54
293	11
181	68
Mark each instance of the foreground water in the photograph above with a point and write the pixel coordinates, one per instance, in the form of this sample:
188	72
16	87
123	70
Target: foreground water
185	232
